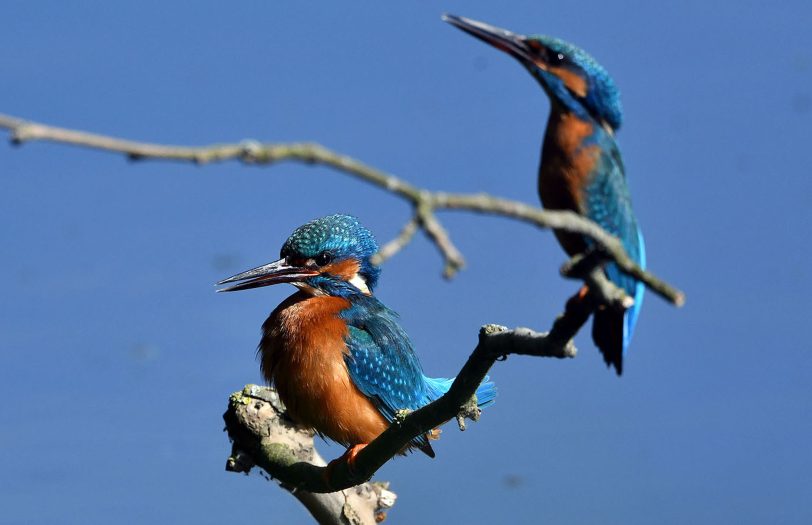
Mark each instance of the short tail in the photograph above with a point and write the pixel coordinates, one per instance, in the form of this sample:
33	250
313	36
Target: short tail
607	332
485	394
612	330
437	386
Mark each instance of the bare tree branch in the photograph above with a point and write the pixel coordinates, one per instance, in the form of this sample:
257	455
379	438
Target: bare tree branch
258	422
423	201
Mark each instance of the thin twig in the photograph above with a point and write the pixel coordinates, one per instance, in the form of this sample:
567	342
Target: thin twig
453	259
391	248
252	152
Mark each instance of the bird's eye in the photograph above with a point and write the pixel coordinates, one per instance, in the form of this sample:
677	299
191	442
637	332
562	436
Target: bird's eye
559	57
323	258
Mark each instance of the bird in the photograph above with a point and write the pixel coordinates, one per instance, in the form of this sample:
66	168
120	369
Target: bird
338	358
581	167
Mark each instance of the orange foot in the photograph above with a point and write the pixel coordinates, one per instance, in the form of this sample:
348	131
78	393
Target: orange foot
351	454
348	457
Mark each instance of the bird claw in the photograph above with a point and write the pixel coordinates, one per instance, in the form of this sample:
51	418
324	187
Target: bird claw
349	458
351	455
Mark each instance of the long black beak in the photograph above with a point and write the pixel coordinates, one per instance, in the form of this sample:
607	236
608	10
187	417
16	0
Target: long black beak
511	43
272	273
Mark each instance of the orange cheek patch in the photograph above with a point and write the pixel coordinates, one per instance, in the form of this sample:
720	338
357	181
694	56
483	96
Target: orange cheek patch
573	81
344	270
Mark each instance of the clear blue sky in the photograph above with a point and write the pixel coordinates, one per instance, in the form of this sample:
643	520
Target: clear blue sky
117	357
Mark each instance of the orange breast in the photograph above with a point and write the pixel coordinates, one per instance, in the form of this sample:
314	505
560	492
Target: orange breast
302	354
566	165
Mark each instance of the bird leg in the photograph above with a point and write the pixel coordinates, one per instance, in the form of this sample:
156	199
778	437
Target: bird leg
347	457
575	315
351	454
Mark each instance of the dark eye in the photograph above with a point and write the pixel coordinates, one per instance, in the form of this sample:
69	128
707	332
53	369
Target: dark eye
323	258
557	58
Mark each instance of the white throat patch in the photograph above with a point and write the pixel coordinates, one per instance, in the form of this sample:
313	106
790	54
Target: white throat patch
360	283
357	281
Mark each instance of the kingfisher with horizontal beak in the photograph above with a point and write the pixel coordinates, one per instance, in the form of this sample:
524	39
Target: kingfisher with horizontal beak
338	358
581	169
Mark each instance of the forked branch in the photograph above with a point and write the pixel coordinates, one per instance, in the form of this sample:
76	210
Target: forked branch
424	202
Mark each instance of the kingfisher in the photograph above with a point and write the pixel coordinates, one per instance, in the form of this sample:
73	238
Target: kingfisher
338	358
581	168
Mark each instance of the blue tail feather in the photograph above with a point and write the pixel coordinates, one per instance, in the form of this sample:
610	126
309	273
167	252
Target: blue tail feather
612	331
639	292
485	393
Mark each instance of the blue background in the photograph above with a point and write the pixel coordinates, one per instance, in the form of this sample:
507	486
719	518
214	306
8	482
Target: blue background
117	357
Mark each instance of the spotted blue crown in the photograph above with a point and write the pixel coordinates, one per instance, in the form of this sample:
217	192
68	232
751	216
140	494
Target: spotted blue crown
342	236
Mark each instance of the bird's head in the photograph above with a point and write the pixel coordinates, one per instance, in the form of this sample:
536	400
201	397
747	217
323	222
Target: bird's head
569	75
329	256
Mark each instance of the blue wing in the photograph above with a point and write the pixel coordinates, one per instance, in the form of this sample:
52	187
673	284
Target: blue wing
608	203
381	362
384	367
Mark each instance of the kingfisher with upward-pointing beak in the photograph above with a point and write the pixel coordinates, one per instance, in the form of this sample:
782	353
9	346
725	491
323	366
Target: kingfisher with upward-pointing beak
581	168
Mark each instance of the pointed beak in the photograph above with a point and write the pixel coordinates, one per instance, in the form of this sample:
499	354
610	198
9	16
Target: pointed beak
272	273
511	43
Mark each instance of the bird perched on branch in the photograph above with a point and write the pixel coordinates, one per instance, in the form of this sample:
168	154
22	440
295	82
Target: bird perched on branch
337	356
581	168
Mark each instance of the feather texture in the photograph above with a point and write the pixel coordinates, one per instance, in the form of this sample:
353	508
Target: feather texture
383	365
